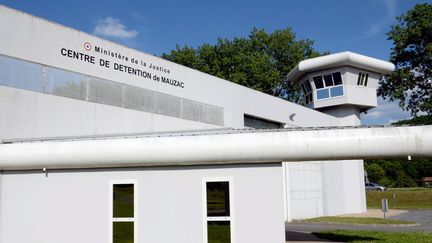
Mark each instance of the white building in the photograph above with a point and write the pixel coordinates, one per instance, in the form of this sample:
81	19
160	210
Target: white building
62	87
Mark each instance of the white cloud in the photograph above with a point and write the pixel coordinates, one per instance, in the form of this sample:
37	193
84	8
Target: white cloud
381	24
385	113
375	114
391	7
112	27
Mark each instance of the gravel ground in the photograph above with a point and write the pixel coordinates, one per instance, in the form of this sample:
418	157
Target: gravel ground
376	213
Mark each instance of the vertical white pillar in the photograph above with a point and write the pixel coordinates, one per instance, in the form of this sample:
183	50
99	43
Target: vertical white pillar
286	192
1	206
349	115
352	199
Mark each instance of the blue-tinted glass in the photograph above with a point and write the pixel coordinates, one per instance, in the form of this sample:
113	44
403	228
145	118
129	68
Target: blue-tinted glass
322	94
20	74
336	91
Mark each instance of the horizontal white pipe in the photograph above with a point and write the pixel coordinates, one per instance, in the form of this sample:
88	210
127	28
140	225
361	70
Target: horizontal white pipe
251	147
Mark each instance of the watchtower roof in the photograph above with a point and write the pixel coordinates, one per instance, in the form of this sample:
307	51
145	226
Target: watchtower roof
340	59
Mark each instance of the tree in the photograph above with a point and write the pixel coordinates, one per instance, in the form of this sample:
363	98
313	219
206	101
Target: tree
402	180
403	172
374	172
411	82
385	182
418	120
261	61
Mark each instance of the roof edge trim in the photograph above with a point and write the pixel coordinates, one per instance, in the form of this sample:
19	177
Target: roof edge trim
340	59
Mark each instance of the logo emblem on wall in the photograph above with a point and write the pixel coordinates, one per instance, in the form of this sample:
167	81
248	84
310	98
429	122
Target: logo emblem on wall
87	46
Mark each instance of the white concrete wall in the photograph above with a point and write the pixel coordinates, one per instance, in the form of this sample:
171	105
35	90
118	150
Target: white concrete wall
361	95
29	114
340	189
343	187
73	206
304	190
1	204
349	115
324	188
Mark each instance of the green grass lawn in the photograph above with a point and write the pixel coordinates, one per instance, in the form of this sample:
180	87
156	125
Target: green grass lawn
355	220
406	198
374	236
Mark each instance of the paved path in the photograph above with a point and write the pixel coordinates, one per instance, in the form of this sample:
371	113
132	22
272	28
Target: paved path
423	217
301	232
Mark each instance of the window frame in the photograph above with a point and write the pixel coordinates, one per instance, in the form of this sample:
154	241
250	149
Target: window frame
328	88
111	208
307	91
362	79
207	219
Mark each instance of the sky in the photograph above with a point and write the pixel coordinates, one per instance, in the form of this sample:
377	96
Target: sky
156	27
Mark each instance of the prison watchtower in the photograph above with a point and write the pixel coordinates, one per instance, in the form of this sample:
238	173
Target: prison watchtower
342	84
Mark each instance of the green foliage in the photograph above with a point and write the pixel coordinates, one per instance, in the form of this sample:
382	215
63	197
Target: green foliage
398	172
401	172
385	182
419	120
260	61
411	82
375	172
374	236
402	180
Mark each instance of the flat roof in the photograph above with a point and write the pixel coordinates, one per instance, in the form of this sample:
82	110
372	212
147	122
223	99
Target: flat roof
216	131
